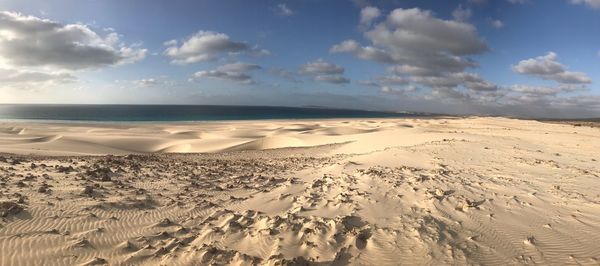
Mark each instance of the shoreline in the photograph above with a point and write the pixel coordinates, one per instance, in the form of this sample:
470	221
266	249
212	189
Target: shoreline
188	122
182	113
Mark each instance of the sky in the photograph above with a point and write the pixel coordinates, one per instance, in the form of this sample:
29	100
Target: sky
527	58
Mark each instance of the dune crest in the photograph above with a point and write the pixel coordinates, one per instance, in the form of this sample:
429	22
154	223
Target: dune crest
268	143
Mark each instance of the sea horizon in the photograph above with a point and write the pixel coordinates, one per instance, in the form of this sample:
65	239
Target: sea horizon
181	112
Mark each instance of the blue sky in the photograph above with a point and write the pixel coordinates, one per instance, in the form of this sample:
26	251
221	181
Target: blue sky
508	57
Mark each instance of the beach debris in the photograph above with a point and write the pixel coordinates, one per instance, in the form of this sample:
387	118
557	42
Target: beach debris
9	208
88	190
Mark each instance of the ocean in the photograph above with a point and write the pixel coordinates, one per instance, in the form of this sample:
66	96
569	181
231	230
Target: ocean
176	113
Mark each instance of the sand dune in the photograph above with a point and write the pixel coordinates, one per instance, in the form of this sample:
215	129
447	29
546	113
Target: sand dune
447	191
268	143
340	131
177	138
189	134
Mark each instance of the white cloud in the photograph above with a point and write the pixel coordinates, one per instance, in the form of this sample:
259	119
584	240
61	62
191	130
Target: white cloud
399	91
547	67
413	70
325	71
29	84
390	83
543	90
28	41
238	67
387	80
14	76
424	50
470	81
148	82
162	82
432	54
206	46
363	52
170	43
367	15
542	65
414	37
321	66
550	99
461	14
238	77
590	3
283	10
497	23
236	72
333	79
286	74
418	30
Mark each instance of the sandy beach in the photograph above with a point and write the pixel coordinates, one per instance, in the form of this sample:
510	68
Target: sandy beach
428	191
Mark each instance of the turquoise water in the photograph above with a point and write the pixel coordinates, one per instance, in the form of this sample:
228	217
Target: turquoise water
117	113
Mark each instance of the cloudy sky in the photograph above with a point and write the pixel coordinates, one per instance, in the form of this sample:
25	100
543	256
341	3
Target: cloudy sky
533	58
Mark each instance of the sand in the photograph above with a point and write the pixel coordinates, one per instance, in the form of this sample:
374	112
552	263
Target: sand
444	191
